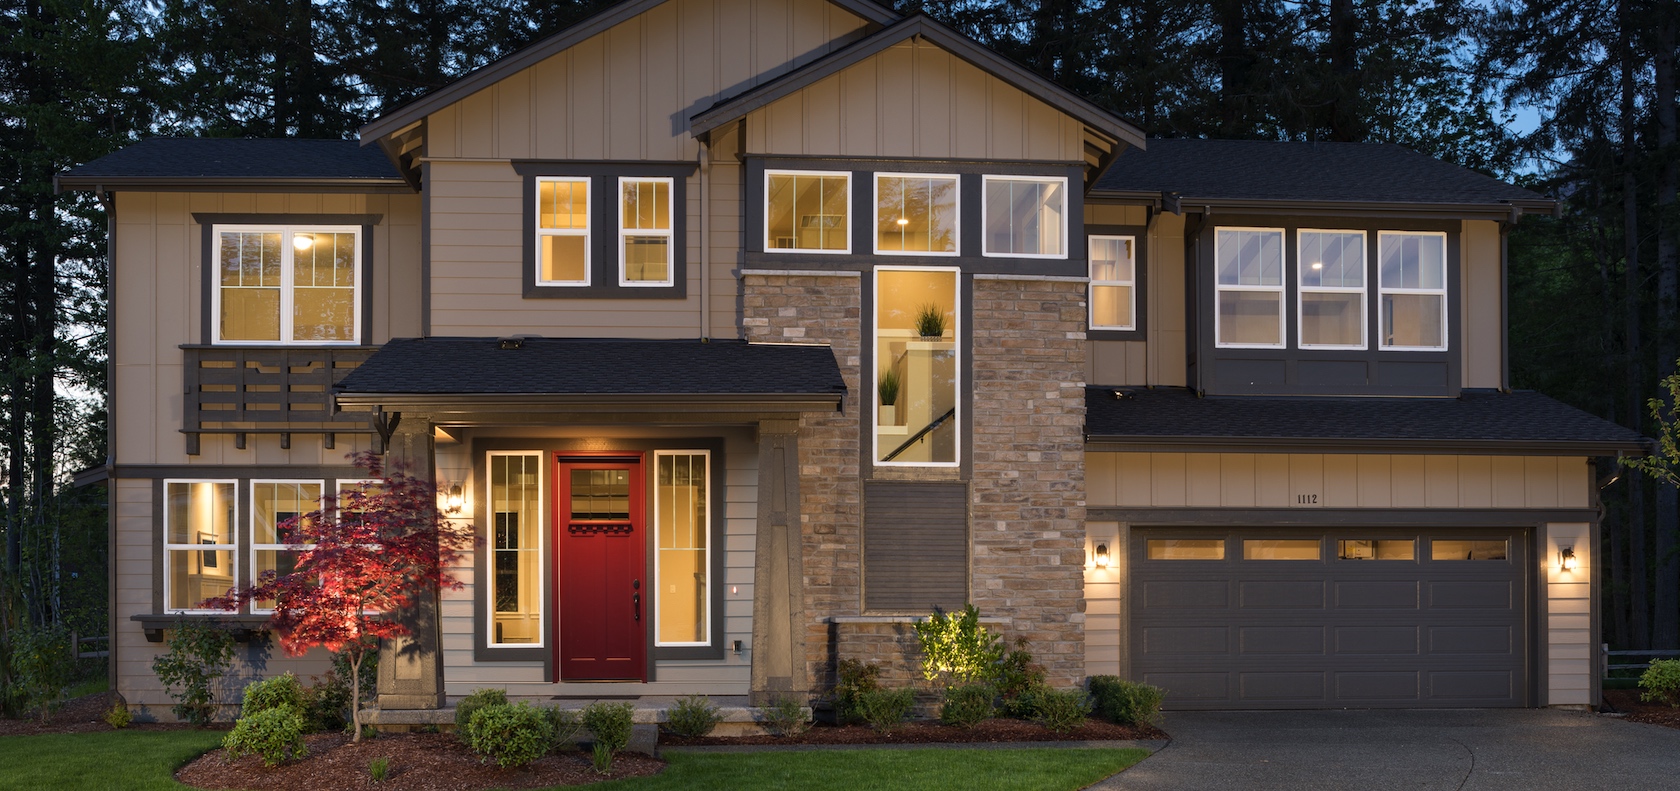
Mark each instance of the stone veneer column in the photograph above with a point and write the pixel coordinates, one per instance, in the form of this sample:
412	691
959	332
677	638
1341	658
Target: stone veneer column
411	668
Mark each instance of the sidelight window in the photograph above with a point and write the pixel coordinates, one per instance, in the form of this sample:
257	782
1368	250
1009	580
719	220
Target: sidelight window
516	545
682	524
198	543
917	366
287	285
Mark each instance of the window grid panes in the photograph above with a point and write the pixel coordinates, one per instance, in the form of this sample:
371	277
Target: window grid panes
807	211
1281	549
682	525
1113	282
644	220
1412	278
1376	549
273	547
199	553
1468	549
516	545
1185	548
1249	284
916	214
287	285
1331	274
918	367
563	231
1025	217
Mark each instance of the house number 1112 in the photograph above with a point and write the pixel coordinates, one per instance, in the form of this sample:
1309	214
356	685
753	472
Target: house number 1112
1306	499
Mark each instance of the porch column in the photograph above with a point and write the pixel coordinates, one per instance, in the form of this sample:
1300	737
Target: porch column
778	644
411	668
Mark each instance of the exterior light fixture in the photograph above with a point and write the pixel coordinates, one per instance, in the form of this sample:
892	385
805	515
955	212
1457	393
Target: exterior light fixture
1566	558
1102	556
454	500
303	241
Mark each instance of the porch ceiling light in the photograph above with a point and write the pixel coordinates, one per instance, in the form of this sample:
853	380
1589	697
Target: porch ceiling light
1566	558
1102	556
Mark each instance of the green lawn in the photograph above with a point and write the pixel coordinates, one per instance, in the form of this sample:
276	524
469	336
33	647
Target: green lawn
101	761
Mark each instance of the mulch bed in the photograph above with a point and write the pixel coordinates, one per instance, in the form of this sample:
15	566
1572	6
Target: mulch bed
418	762
79	715
1626	702
994	730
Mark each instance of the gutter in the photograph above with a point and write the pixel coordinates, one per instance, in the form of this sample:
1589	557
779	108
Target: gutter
64	182
1468	447
1504	211
548	403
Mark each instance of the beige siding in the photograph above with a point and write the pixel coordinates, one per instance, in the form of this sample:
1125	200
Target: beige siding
1243	480
159	301
914	99
1160	358
1105	602
1481	309
1568	652
628	92
1111	214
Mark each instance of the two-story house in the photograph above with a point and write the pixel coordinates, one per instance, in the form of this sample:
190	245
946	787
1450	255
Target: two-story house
744	331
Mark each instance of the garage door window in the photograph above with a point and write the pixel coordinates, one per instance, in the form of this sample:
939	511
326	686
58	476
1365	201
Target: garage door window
1186	549
1281	549
1376	549
1462	549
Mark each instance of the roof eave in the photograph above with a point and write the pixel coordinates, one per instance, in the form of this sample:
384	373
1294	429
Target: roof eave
1502	210
1468	447
65	182
546	403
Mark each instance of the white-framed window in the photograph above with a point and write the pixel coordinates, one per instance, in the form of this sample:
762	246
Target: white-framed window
563	231
644	231
1331	300
1113	297
1024	216
273	503
279	284
682	556
807	211
917	214
918	366
514	485
1412	285
199	556
1248	279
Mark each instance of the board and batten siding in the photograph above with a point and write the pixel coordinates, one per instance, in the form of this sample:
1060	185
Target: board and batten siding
914	99
1160	358
158	303
1482	310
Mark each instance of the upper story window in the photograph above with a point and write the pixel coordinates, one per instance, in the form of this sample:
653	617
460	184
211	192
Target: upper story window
644	232
1248	265
807	211
1413	283
917	366
1331	272
563	231
1025	216
198	542
916	214
287	285
1113	296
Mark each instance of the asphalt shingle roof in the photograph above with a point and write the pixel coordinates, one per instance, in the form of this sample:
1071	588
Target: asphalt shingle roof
443	366
1173	414
1291	171
237	158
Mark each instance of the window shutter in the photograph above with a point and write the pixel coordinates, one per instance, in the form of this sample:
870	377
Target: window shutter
915	546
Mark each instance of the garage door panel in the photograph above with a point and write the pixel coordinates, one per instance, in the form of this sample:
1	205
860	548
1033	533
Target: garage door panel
1210	686
1376	594
1493	639
1297	687
1471	595
1471	685
1377	640
1395	685
1282	594
1281	640
1187	594
1187	640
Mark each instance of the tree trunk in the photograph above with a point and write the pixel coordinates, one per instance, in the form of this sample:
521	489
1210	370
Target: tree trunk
356	694
1234	65
1666	620
1638	560
1344	68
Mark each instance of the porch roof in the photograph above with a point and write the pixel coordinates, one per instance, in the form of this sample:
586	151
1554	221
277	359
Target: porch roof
1477	422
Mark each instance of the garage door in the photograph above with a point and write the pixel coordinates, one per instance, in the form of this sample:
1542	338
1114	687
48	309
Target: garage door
1268	618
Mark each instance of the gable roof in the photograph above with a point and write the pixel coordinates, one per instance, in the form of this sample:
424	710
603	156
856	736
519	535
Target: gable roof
1235	172
927	28
237	163
418	108
1478	421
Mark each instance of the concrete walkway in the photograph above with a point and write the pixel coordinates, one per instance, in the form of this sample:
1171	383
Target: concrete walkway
1472	750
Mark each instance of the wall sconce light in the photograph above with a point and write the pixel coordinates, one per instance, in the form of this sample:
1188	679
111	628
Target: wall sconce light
454	500
1566	558
1102	556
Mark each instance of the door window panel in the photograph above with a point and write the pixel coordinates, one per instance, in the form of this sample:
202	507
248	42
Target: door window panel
198	523
807	211
682	523
917	359
600	495
1185	548
916	213
515	548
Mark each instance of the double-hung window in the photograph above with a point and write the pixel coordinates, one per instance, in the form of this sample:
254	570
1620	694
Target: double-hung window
198	542
563	231
1113	282
916	214
287	285
1025	216
807	211
277	508
1412	278
1332	289
644	232
1249	281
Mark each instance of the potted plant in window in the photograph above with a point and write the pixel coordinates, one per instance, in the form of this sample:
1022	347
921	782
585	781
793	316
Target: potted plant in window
930	322
888	390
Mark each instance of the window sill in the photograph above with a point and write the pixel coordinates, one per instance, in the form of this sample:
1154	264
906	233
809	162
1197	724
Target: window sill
244	628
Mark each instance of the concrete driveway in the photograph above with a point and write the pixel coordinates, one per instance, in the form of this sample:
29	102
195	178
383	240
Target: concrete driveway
1471	750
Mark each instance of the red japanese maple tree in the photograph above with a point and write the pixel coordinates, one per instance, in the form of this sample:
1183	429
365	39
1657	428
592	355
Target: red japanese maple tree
362	558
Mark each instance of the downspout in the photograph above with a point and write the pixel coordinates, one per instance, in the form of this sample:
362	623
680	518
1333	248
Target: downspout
1505	307
705	241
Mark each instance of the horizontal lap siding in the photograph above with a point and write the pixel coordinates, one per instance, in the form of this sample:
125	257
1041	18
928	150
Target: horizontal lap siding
1569	654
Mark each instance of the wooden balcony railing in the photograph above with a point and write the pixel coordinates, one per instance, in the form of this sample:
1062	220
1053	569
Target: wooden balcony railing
267	390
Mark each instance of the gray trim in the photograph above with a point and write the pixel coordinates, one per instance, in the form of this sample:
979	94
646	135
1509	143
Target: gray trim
364	186
866	402
1539	663
1372	517
244	471
214	218
207	221
1140	283
603	233
1215	444
957	44
425	250
1372	209
519	60
157	542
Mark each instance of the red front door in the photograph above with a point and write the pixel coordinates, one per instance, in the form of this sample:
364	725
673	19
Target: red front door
603	580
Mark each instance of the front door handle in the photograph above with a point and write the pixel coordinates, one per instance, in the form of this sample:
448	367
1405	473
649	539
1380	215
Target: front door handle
636	599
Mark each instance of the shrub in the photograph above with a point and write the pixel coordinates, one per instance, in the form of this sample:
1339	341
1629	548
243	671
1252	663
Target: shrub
967	705
326	704
856	678
477	700
40	665
1060	710
784	715
275	734
198	654
1017	679
565	724
379	769
1126	702
610	724
282	691
692	716
118	716
955	647
1661	682
885	709
511	735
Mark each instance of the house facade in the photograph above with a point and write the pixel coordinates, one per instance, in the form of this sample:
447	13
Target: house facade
743	333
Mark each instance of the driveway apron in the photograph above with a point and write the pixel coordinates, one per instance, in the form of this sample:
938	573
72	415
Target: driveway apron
1472	750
